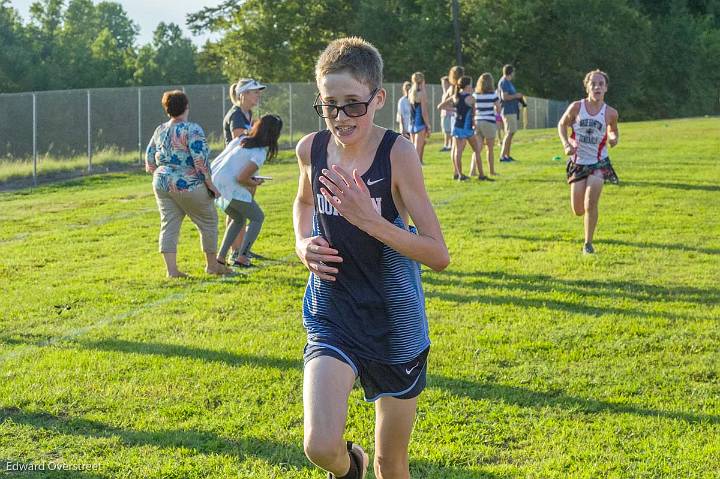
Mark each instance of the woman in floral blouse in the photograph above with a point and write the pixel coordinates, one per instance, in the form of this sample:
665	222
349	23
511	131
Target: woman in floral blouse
177	157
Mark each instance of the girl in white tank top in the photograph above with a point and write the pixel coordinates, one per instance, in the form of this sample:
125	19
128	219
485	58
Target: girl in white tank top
594	127
590	136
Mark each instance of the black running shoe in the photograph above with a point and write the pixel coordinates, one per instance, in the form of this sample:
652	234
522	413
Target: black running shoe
588	248
464	178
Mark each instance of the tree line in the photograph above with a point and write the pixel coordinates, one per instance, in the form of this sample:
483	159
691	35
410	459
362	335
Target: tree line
662	56
82	44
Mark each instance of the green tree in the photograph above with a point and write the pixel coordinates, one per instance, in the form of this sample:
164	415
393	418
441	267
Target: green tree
280	40
273	40
45	24
98	44
169	59
16	56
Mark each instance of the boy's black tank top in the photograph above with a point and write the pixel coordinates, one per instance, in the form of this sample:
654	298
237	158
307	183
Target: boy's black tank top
375	306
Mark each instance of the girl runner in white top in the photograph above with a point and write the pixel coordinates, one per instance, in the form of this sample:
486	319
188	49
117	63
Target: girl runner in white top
594	127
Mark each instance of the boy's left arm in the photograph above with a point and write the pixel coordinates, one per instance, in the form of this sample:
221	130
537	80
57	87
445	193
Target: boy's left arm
613	132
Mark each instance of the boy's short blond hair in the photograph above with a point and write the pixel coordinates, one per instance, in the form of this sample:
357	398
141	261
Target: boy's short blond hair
353	55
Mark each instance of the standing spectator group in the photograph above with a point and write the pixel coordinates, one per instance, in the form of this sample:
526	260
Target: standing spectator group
477	116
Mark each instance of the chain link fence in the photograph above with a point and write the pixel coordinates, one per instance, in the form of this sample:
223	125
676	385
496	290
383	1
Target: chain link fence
56	133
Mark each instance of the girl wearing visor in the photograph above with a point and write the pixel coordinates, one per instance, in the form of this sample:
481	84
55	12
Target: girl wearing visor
245	95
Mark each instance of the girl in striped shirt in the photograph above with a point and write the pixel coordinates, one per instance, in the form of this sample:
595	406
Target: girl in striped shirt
487	105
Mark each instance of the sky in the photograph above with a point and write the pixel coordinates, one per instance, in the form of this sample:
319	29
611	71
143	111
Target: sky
147	14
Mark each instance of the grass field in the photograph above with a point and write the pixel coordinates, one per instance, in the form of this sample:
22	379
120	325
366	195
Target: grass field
545	363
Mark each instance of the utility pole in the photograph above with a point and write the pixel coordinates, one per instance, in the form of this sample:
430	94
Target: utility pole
456	27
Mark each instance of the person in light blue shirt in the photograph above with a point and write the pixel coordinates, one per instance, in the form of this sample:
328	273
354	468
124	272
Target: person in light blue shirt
404	111
234	174
510	108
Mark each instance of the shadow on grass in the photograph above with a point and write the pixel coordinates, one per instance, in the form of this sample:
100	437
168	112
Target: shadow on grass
600	288
180	351
474	390
205	443
633	244
540	303
432	470
201	441
673	186
527	398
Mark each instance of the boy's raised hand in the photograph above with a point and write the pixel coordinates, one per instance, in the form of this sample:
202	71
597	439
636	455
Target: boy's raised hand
314	252
350	196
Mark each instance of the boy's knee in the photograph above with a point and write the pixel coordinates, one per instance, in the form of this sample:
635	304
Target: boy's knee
321	450
389	468
579	210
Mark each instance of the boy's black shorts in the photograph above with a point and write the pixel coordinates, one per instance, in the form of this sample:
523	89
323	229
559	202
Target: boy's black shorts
402	381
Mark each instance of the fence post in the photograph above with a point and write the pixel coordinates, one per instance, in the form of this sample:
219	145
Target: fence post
394	105
432	109
34	133
89	133
291	112
139	130
222	111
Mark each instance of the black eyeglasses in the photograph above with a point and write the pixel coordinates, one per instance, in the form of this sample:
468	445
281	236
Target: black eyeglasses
353	110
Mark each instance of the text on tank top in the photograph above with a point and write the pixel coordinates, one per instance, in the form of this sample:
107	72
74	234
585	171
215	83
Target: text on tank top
590	135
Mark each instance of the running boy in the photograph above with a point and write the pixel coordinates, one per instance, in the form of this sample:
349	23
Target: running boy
364	306
594	126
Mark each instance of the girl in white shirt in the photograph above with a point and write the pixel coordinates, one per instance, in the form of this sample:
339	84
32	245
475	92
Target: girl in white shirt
234	174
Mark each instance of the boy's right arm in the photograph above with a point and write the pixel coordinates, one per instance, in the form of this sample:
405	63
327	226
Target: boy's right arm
565	122
314	251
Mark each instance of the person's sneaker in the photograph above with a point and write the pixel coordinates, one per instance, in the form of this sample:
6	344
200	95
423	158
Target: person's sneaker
456	176
464	178
485	178
505	159
510	158
445	148
588	248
